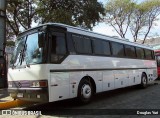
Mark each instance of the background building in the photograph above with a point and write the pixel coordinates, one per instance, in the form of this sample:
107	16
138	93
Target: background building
154	42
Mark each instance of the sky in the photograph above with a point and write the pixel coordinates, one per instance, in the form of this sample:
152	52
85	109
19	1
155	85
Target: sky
103	28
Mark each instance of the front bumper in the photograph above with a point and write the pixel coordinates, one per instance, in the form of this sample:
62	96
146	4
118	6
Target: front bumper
30	94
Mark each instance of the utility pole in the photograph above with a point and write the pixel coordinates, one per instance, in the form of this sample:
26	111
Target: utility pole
3	62
2	26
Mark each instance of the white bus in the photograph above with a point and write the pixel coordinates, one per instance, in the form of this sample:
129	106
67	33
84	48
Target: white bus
54	61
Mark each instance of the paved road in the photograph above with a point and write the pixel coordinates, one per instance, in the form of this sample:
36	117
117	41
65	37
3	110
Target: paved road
130	100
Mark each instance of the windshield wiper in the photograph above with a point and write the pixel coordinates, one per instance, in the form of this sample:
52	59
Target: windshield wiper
16	59
20	58
25	56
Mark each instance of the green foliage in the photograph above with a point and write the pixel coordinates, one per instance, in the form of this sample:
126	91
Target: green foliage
126	15
118	13
143	18
10	43
119	5
83	13
22	13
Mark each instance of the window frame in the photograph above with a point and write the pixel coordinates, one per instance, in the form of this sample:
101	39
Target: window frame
93	52
82	37
123	56
146	56
141	53
52	33
102	41
128	56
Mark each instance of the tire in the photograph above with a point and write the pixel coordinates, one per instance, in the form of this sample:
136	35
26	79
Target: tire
85	91
144	81
158	78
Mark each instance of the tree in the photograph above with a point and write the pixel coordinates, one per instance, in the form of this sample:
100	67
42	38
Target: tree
83	13
22	13
10	43
118	15
143	18
127	15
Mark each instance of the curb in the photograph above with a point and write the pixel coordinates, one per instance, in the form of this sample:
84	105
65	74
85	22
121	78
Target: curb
15	103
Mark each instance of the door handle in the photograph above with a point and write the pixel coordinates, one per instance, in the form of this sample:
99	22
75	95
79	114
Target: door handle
100	80
54	85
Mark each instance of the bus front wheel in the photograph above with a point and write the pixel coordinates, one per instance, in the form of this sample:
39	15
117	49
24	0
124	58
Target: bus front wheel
85	91
144	81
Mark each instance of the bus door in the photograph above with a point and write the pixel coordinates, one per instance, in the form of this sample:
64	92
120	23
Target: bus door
59	81
3	77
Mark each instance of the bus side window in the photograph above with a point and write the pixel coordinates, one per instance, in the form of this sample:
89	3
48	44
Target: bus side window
148	54
101	47
140	53
117	49
58	47
153	55
130	51
82	44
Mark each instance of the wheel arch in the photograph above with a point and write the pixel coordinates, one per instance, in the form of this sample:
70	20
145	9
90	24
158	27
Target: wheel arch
143	83
145	75
91	80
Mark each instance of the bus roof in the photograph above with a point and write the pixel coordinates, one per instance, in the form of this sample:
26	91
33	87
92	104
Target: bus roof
78	30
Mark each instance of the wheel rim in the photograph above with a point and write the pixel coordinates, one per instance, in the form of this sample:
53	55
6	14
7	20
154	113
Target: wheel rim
144	80
86	91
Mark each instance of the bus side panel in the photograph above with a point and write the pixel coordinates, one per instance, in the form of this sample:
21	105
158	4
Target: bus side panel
58	86
108	80
75	78
121	78
134	77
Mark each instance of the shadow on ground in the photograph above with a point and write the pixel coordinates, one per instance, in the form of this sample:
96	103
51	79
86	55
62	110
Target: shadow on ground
73	107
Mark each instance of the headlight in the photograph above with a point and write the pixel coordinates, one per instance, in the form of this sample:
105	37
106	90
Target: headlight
10	84
39	84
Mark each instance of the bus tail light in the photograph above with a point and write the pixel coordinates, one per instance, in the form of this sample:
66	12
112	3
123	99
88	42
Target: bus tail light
43	84
39	84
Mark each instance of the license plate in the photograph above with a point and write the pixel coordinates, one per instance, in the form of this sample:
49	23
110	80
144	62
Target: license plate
20	95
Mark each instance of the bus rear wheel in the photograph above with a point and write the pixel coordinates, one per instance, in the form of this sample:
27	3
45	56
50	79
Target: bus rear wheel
144	81
85	91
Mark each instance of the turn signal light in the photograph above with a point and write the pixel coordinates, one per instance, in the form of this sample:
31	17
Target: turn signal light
43	84
39	84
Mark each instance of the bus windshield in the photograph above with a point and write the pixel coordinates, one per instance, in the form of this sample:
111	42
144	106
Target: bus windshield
28	50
